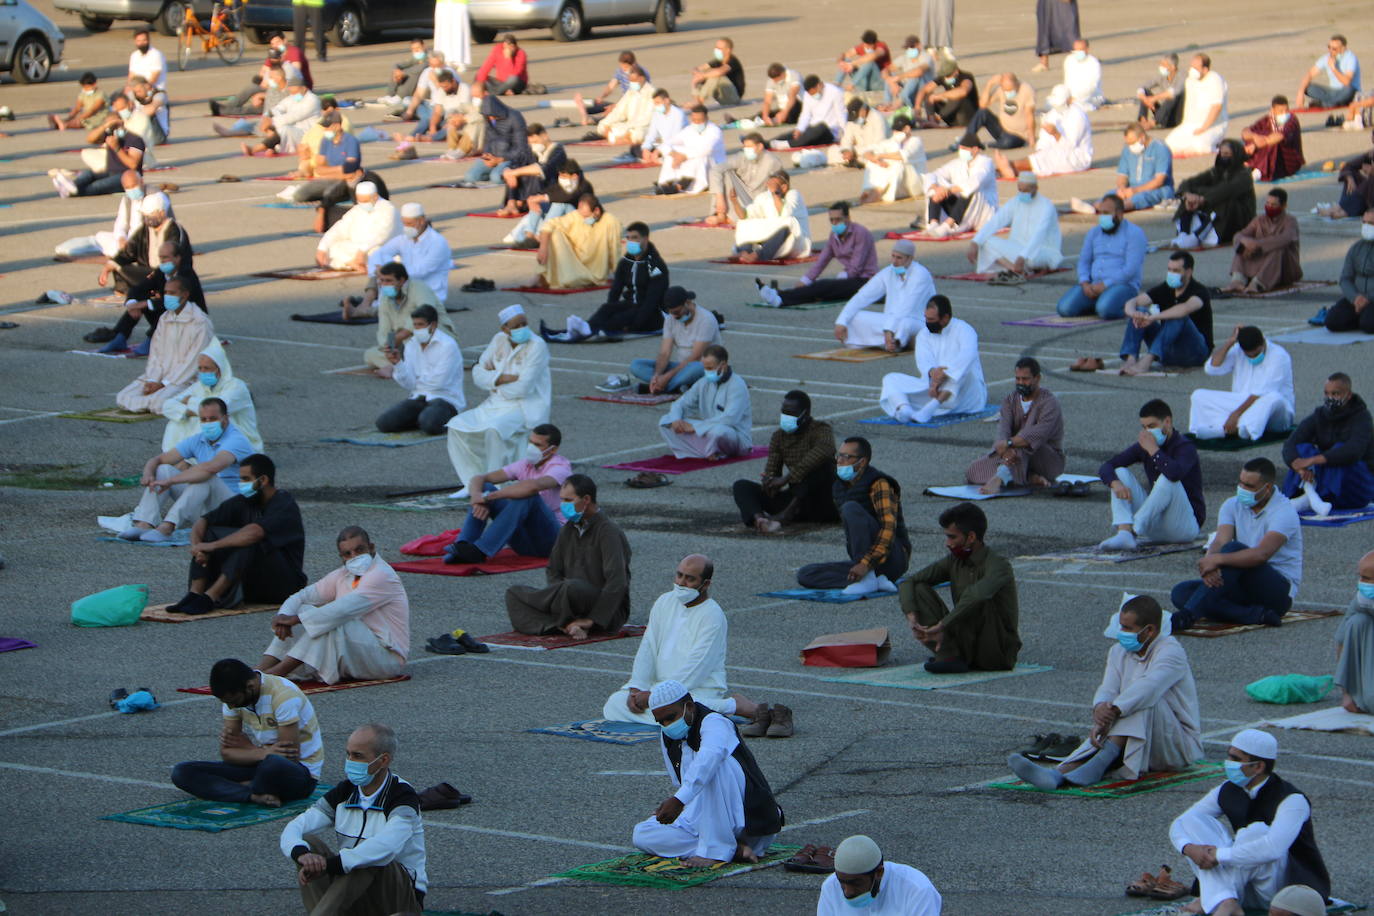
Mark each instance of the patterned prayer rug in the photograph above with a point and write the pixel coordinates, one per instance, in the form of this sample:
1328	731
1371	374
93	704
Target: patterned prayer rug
644	870
558	640
916	677
197	814
318	686
1150	782
602	730
1208	629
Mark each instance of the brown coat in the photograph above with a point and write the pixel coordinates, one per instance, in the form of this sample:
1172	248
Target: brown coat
1278	263
1043	429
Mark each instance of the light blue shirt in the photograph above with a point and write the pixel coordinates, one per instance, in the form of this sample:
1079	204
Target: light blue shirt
1113	258
1277	515
710	406
1348	63
231	440
1138	169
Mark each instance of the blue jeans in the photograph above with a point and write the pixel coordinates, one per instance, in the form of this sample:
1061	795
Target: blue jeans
529	224
525	524
479	171
1174	342
685	376
909	89
1326	97
1111	304
867	78
1258	594
215	780
89	184
1144	200
1344	486
423	111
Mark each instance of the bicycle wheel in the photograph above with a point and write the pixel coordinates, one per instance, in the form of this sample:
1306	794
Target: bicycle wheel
184	40
230	49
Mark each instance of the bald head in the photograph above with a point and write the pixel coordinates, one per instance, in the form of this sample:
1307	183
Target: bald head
695	571
1367	567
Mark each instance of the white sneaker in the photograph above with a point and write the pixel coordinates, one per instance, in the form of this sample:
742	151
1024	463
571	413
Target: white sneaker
770	297
459	494
614	383
940	230
288	193
64	185
869	583
1078	205
779	145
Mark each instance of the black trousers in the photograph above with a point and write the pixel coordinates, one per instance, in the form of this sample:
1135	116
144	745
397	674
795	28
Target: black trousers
429	415
626	318
815	135
1343	317
813	495
258	573
827	290
139	281
315	14
986	119
1167	113
952	206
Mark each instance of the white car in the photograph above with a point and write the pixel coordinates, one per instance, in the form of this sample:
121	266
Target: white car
30	44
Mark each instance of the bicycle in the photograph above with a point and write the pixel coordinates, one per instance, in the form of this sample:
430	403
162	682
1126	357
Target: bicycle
221	37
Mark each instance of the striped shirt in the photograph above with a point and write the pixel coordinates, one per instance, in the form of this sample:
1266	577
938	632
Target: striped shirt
281	702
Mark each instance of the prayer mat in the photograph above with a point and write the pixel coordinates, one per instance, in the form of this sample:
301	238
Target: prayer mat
159	613
643	870
515	640
1208	629
386	440
969	491
545	291
80	259
1236	443
667	464
13	644
1299	287
670	196
434	545
1316	110
505	562
983	278
1092	553
494	215
948	419
1299	176
558	337
317	686
1338	518
914	236
592	143
850	354
285	205
416	504
277	178
602	730
1334	719
823	595
916	677
334	316
110	415
690	224
198	814
644	400
1058	321
307	273
803	307
1153	373
512	248
772	262
623	165
1176	907
1127	788
1323	336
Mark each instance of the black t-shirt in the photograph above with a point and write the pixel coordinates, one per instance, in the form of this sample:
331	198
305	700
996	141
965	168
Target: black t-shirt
734	72
129	141
280	519
1166	297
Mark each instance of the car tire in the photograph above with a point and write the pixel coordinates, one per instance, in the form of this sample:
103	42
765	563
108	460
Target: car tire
258	36
32	60
96	23
665	18
348	28
569	26
483	36
172	17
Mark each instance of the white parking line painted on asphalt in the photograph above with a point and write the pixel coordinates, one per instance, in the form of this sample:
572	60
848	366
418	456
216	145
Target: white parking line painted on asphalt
77	774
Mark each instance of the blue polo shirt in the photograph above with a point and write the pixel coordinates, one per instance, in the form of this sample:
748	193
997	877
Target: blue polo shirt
1140	168
348	153
231	441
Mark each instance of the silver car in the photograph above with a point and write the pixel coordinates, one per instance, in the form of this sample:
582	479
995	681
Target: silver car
570	20
164	15
30	44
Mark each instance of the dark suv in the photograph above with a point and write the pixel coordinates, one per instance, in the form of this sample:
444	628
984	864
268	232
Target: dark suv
348	21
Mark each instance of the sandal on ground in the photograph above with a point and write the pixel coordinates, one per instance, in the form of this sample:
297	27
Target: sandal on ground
647	480
1141	886
1166	888
1087	364
1007	278
813	860
1061	488
441	797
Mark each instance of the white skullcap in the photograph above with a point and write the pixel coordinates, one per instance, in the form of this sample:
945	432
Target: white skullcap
413	210
154	203
1059	95
365	187
905	246
858	855
509	312
666	693
1028	178
1299	899
1256	743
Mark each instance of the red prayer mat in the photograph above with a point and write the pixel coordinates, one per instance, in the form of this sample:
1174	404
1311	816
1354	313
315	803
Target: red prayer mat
698	224
543	291
914	236
643	400
776	262
317	686
558	640
277	178
504	562
667	464
493	214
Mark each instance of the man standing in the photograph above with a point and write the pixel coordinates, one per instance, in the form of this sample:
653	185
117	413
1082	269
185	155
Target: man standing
1109	266
1261	395
1330	454
1267	255
980	632
851	245
949	370
1173	320
1034	244
430	369
1334	80
1355	644
1145	713
1252	569
905	288
309	13
1204	110
713	418
723	809
1173	510
863	880
1352	312
804	446
876	540
588	573
1029	448
424	252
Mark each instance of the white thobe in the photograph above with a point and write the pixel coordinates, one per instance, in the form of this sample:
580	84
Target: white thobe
904	305
352	627
975	180
1072	150
1034	236
1271	381
433	371
453	32
897	178
128	219
955	349
664	127
1159	712
859	137
292	117
904	891
826	108
703	145
719	413
1084	81
492	434
427	258
1252	864
1199	97
763	217
628	120
684	644
183	410
360	231
172	358
147	63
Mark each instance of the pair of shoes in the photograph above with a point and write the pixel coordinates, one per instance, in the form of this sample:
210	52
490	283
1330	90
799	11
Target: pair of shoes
119	693
1007	278
100	335
463	552
1158	887
770	722
132	533
763	717
405	151
1319	319
214	107
812	860
591	136
1038	744
562	122
770	296
459	642
479	285
193	604
442	797
528	243
614	384
947	666
117	344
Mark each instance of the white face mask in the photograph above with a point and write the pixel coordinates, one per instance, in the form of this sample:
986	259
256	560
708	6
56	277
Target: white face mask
1367	231
411	231
965	155
532	453
359	564
1137	147
1194	73
424	335
1281	119
567	184
684	594
1164	72
538	148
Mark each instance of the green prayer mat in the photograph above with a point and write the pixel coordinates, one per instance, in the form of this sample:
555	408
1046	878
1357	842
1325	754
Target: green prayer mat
804	307
1235	443
916	677
110	415
1171	909
1126	788
643	870
198	814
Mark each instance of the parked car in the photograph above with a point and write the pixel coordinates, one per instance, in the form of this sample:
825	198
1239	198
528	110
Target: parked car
349	21
570	20
164	15
30	43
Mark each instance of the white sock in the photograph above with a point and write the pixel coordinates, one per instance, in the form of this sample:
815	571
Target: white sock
771	297
1004	474
1320	506
1122	540
869	583
1300	502
926	411
903	413
578	328
884	584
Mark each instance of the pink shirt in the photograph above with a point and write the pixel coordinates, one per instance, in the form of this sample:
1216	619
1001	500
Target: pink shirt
389	617
557	467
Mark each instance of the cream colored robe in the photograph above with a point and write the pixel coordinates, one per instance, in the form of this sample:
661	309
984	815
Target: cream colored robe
180	338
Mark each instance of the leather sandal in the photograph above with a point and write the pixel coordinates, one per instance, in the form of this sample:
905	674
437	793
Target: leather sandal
1142	886
1166	888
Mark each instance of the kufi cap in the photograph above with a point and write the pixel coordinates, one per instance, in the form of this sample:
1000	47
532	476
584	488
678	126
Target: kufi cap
413	210
365	187
1256	743
1059	95
905	246
1299	899
509	312
857	855
666	693
154	203
1028	178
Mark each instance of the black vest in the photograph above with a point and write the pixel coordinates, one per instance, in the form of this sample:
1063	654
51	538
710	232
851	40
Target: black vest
762	813
1305	865
857	491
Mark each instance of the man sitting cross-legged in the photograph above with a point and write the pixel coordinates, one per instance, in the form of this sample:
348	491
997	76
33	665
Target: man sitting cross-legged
429	366
1261	395
1145	712
1173	320
713	418
1330	454
1173	510
723	809
270	746
355	622
1029	448
980	632
905	288
950	372
805	446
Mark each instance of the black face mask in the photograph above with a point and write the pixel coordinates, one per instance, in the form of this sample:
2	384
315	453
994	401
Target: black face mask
1025	390
934	327
1333	404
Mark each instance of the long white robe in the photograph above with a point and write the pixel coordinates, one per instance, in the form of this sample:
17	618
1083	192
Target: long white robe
427	258
904	305
360	232
703	148
904	891
180	338
453	32
1035	235
956	349
1072	150
684	644
183	410
719	413
763	217
897	178
1199	97
1271	380
492	434
292	117
975	180
1084	81
628	120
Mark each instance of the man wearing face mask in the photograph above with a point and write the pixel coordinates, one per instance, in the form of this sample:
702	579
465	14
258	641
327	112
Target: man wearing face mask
905	288
850	245
688	329
1330	454
123	150
1161	101
1253	566
526	184
363	229
1145	712
863	880
1352	312
667	121
419	246
1083	76
951	99
689	154
713	419
720	79
1274	143
741	177
950	371
961	195
375	814
822	116
588	576
1034	243
1204	110
634	303
893	167
805	447
1029	448
1217	203
1173	510
781	96
430	368
391	296
628	120
1064	143
980	632
1144	174
354	623
1355	644
158	251
286	122
214	379
1270	843
108	242
723	809
1267	255
88	111
559	197
184	330
1261	396
863	65
876	539
1173	320
774	226
514	367
580	249
1110	266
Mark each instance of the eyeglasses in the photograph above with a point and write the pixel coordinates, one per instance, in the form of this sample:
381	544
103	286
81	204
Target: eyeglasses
844	458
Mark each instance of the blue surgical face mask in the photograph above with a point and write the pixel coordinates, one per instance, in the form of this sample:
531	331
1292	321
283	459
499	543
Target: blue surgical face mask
913	53
248	488
211	431
171	303
845	471
1235	773
208	379
676	730
1257	358
788	424
1025	196
1129	641
1245	497
838	228
1106	221
1174	279
569	511
899	271
388	292
1159	435
633	248
134	194
861	902
167	266
589	220
685	317
357	773
520	335
1366	590
712	377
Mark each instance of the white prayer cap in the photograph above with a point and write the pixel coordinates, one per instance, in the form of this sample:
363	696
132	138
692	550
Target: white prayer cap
154	203
1256	743
1059	95
666	693
1300	900
366	187
857	855
1028	178
509	312
906	247
413	210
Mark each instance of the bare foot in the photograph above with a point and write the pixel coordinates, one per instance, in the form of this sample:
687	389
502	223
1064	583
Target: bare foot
992	486
385	371
716	220
267	801
744	853
700	862
247	150
766	525
578	629
748	257
1127	366
1349	705
1035	480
